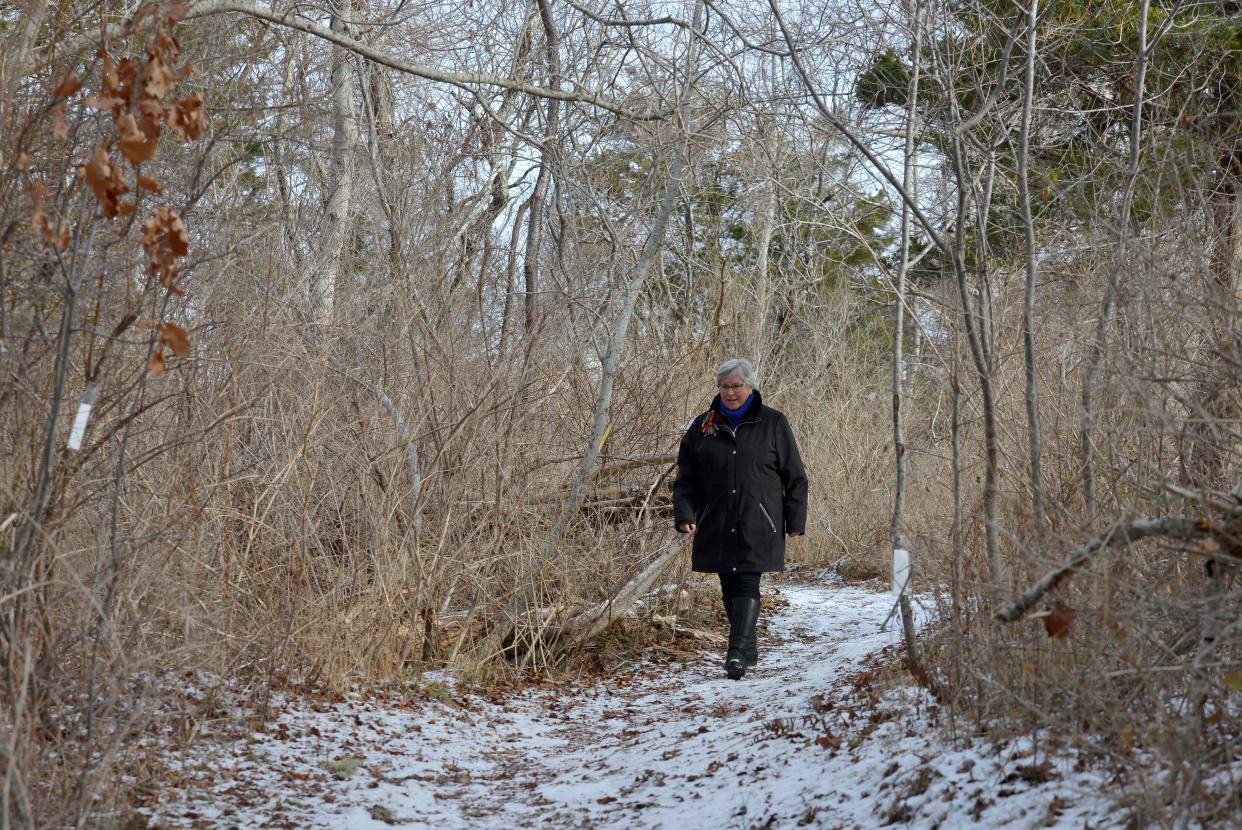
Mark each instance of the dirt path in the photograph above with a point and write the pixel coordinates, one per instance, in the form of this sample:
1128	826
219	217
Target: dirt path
654	746
664	746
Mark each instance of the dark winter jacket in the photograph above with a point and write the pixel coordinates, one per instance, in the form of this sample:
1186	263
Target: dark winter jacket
745	489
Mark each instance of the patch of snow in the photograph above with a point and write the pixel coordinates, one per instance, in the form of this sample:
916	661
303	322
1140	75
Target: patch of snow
673	744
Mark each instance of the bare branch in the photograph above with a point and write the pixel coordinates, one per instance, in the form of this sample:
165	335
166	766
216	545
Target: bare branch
466	80
1122	532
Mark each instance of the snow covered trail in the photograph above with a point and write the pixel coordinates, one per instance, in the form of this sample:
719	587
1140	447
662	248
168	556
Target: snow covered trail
793	744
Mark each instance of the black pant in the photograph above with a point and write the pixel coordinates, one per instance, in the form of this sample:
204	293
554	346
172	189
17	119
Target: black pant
738	585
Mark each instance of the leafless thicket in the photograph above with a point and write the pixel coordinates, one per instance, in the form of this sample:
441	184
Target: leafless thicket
1083	259
388	321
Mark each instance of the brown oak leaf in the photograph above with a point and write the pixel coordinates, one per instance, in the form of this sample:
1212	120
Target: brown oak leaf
165	240
134	143
157	363
104	181
186	117
175	338
1057	621
68	85
104	101
157	78
152	117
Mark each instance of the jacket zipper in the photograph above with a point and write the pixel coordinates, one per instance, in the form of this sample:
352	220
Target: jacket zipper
733	432
764	510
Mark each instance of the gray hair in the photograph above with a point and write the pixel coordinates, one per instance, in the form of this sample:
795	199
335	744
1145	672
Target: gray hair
741	367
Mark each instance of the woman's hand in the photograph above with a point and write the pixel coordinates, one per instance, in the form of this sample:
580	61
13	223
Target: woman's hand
687	527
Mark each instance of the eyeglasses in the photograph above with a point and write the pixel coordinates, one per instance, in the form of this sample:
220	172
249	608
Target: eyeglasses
731	387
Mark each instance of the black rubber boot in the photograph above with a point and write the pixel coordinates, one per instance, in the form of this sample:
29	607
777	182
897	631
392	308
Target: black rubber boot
742	620
750	647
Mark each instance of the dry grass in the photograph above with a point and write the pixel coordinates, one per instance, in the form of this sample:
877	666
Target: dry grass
278	543
250	516
264	531
1129	685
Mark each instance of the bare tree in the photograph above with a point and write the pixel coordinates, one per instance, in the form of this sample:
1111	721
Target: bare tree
327	276
1034	440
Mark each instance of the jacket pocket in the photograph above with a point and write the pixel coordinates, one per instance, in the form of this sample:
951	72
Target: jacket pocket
764	510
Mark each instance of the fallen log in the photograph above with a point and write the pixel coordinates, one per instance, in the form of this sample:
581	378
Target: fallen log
670	622
595	620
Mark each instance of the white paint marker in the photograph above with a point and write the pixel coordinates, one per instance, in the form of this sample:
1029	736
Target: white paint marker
901	569
84	413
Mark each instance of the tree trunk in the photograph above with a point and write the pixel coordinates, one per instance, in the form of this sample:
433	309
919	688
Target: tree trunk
494	644
326	279
959	552
763	282
1028	306
547	158
909	184
975	325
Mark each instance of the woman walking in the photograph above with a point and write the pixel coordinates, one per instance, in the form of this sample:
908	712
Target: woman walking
740	490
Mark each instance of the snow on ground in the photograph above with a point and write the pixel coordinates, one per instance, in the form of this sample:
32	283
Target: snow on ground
796	743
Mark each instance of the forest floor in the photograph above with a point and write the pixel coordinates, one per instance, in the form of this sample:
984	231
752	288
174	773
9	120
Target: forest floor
822	733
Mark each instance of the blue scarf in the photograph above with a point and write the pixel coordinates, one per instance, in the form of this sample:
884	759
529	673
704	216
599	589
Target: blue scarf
735	415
